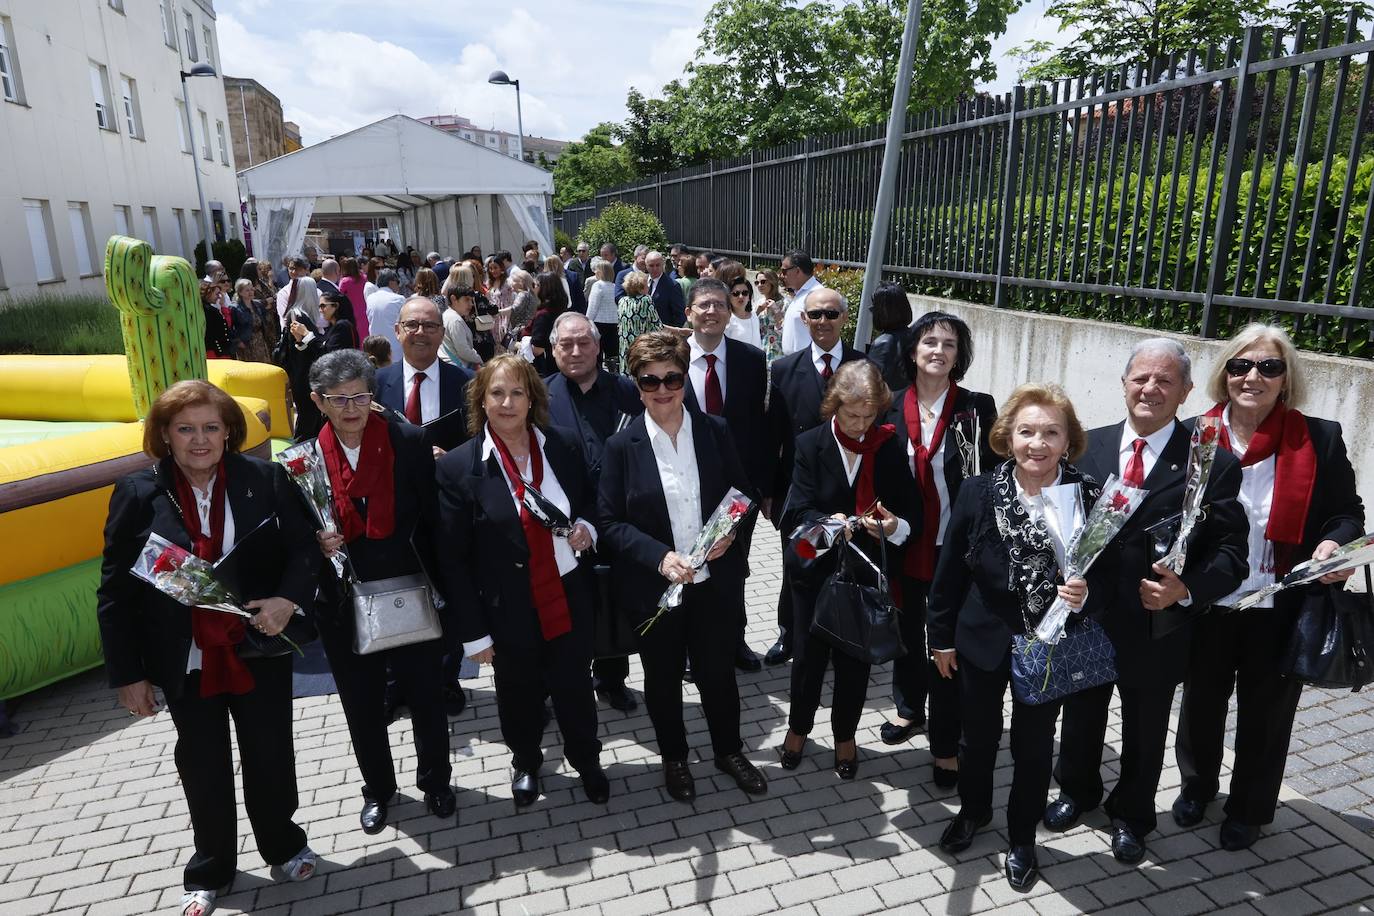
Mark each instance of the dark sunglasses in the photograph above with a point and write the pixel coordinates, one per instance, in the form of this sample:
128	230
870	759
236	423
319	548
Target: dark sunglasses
827	314
1269	368
673	381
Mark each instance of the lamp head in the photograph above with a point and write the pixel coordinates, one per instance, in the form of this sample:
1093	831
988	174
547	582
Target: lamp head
201	69
500	78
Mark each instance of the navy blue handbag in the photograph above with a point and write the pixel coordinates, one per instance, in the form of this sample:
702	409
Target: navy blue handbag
1042	673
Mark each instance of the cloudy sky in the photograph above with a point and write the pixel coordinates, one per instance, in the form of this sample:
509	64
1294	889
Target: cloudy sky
351	62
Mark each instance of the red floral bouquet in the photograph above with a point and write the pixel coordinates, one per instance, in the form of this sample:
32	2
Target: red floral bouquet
729	515
306	468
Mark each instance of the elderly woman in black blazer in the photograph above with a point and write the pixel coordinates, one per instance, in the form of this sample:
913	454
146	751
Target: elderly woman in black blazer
532	620
999	573
381	478
661	478
206	497
1298	489
846	466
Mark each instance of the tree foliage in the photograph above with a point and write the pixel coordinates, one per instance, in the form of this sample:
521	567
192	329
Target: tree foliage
588	164
625	226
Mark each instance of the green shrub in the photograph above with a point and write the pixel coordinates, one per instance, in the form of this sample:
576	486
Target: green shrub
72	324
625	226
560	239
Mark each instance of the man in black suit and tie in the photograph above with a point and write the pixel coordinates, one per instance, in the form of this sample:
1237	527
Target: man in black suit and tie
797	386
582	264
593	404
329	277
421	387
1149	616
728	378
666	293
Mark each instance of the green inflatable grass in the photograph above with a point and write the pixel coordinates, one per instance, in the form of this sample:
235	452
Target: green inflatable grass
48	629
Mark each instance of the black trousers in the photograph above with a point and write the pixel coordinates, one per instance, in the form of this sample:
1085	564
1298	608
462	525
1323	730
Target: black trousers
1237	653
262	723
696	630
785	600
1144	733
361	679
556	668
610	346
611	672
811	655
1032	750
915	677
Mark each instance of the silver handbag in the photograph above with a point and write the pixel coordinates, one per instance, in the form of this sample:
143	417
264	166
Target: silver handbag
388	613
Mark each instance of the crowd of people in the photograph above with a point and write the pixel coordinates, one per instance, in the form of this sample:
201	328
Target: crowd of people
628	400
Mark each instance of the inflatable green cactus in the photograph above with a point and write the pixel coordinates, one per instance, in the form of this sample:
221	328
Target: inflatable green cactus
158	298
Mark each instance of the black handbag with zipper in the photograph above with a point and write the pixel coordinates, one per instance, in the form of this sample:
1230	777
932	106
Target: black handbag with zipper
1332	638
856	617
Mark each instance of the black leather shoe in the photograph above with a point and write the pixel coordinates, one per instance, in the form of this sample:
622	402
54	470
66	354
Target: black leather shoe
944	777
744	773
373	817
596	786
1061	814
617	696
778	653
847	767
892	733
442	803
1022	868
677	779
455	700
1126	846
1188	813
746	660
524	788
1236	836
958	836
791	759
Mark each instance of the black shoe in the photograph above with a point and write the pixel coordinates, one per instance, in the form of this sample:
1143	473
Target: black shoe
744	773
525	788
847	767
1062	814
1126	846
778	653
791	759
958	836
944	777
618	697
1236	836
1022	868
1188	813
455	700
596	786
442	803
746	660
892	733
687	674
373	817
677	779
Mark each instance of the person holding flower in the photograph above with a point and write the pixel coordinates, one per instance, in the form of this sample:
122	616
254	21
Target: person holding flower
847	466
1298	490
203	495
662	478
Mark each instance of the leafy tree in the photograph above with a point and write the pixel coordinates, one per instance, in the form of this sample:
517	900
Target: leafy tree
625	226
588	164
647	134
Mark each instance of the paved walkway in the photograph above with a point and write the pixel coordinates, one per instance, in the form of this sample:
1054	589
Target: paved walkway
92	821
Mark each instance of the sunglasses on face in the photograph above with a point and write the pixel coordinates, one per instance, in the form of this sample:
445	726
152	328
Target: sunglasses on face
739	293
827	314
673	381
1269	368
340	401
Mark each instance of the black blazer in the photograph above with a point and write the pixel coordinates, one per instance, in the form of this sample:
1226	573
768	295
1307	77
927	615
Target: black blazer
577	300
971	607
746	386
1214	567
795	393
671	304
820	488
338	336
450	429
635	530
484	539
616	393
889	352
965	402
147	635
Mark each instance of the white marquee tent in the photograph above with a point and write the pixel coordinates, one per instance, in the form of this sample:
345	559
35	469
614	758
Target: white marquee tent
435	191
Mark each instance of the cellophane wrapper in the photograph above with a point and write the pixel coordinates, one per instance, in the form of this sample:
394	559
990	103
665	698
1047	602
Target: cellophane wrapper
183	577
727	517
1202	452
306	469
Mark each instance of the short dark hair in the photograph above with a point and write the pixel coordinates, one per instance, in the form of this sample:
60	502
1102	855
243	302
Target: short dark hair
728	270
891	308
462	292
801	260
705	285
961	332
657	347
300	263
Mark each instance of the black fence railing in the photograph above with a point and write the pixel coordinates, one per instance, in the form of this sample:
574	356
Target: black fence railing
1192	192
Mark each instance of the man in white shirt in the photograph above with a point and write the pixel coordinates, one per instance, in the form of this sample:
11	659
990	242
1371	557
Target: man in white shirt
300	294
384	308
798	274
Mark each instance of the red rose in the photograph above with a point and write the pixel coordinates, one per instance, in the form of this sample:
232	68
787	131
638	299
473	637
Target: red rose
806	550
168	561
297	466
1120	501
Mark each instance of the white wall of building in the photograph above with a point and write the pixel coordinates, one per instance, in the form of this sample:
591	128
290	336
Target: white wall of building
63	177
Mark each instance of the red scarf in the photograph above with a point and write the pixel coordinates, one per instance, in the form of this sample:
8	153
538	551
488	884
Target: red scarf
371	480
1283	433
864	496
920	557
546	585
215	632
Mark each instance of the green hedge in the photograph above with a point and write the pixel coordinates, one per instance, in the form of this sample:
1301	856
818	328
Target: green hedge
625	226
60	325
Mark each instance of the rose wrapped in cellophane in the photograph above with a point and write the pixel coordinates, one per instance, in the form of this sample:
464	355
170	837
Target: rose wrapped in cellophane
1108	516
1202	452
306	468
1348	556
729	515
971	457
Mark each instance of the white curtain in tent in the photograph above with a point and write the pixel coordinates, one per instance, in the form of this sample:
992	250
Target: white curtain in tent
393	231
280	225
529	213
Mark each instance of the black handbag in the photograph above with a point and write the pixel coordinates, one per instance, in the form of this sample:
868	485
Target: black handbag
300	630
1332	637
859	619
1082	659
612	634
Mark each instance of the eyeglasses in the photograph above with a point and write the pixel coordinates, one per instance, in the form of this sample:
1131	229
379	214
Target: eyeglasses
706	305
739	293
340	401
415	327
673	381
1269	368
827	314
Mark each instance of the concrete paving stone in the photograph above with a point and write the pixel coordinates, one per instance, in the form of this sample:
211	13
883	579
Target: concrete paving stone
654	901
1292	902
864	874
551	901
748	904
698	892
1121	888
91	893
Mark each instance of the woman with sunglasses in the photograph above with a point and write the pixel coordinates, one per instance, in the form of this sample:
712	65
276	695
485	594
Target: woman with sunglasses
661	478
1298	488
769	310
744	324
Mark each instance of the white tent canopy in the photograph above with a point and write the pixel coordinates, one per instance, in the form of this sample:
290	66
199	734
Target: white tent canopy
435	191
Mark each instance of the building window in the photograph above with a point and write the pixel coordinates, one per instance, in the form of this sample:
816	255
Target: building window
223	144
183	237
209	42
133	118
234	226
100	91
9	64
183	127
151	235
190	36
121	220
467	135
205	136
38	219
169	25
79	216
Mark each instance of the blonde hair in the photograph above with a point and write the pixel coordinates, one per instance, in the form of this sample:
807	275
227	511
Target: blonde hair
524	373
636	283
1037	395
856	380
1294	387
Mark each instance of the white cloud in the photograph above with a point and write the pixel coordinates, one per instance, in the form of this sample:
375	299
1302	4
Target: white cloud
1026	24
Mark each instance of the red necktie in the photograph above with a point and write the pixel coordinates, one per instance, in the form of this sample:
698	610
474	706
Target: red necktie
715	401
827	371
1135	468
413	401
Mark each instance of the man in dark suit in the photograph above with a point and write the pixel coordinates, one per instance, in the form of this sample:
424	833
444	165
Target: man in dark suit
795	393
421	387
641	252
675	253
582	264
593	404
577	297
1149	616
728	378
666	293
611	255
329	277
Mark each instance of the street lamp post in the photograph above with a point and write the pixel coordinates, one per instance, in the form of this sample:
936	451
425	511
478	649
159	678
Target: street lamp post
499	78
201	69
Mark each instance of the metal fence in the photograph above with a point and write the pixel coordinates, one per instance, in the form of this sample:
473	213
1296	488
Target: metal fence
1197	190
